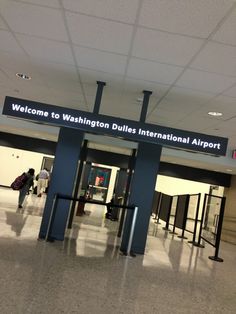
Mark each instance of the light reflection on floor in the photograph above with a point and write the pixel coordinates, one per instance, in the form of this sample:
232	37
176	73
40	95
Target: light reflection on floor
86	273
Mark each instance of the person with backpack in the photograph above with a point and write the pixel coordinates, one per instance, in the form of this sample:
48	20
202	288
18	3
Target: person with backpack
29	181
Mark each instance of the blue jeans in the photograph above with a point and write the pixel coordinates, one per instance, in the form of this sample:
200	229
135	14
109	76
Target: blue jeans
22	194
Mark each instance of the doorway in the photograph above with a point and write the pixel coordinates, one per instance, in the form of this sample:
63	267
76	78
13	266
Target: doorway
47	163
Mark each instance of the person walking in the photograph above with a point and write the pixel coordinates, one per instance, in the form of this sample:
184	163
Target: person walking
25	188
43	177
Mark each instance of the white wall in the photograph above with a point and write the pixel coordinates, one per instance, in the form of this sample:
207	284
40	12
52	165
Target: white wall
14	162
175	186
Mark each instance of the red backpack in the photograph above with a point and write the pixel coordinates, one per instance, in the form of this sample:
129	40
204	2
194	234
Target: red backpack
19	182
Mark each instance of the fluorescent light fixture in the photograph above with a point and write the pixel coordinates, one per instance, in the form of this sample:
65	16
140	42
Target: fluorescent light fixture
229	170
23	76
215	113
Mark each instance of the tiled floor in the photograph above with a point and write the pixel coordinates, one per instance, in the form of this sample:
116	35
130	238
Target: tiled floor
86	274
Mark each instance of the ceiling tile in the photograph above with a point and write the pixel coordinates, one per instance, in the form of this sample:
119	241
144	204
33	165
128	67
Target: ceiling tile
59	76
34	20
120	108
205	81
187	97
2	24
112	81
100	61
164	120
176	107
100	34
12	63
152	71
49	50
69	99
8	43
230	92
171	116
4	80
47	3
229	127
12	59
138	86
164	47
197	123
41	93
91	89
226	32
216	58
120	111
189	17
119	10
224	104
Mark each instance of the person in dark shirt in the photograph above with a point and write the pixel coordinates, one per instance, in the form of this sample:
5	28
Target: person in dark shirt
109	208
25	189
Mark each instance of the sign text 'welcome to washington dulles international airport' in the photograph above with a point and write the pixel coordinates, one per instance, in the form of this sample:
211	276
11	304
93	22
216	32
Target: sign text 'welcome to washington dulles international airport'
106	125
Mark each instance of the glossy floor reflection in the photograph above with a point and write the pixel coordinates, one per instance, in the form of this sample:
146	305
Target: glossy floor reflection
86	273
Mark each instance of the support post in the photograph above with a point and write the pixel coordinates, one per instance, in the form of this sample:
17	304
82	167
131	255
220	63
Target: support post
142	190
218	235
98	96
146	97
62	181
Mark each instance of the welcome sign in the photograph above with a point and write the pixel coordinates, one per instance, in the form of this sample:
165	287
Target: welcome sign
106	125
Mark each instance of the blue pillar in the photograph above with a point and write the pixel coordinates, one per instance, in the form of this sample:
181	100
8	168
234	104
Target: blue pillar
141	194
62	181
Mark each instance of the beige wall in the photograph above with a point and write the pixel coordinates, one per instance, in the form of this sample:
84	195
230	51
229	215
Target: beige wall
229	223
14	162
175	186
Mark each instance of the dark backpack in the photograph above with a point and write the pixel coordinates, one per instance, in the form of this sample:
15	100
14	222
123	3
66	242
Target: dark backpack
19	182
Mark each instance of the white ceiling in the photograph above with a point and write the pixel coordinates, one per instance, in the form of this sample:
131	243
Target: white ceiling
182	50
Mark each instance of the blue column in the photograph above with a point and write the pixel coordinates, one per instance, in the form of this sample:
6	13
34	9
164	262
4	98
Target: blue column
141	194
62	181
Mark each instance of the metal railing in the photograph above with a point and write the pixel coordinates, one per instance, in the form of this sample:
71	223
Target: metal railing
58	196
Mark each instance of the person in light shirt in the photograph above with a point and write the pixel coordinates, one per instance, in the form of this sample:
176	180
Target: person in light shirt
43	177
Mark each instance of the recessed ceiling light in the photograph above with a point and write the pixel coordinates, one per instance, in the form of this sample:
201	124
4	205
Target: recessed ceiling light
215	113
23	76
